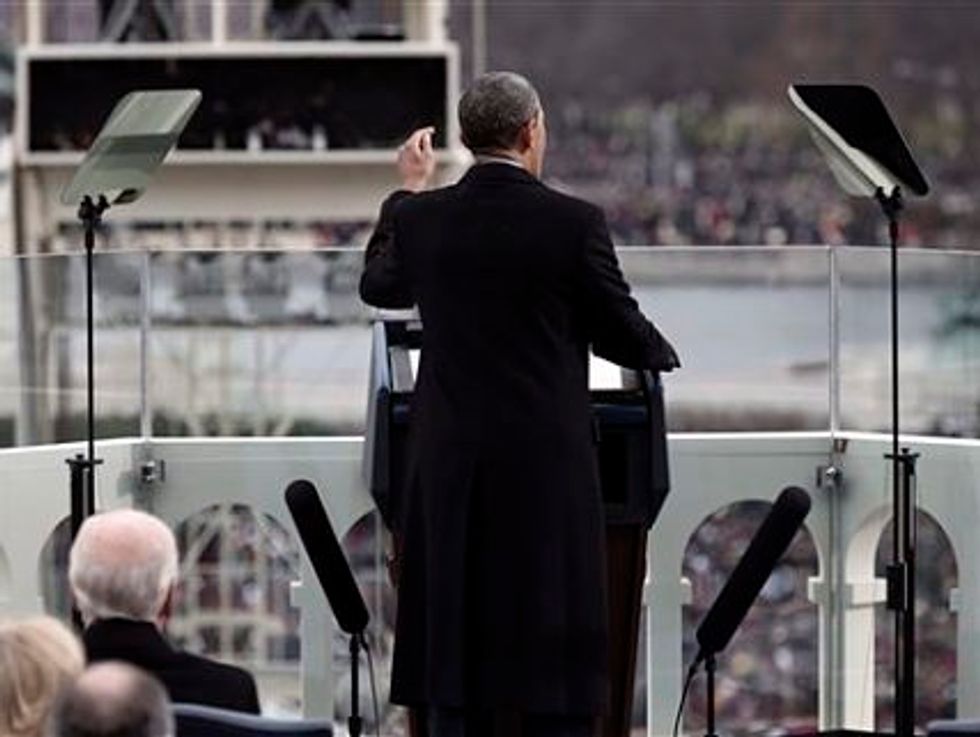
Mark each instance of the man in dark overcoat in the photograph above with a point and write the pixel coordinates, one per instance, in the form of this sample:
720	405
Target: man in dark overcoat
502	616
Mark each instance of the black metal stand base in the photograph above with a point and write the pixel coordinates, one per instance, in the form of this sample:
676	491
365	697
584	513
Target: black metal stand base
82	475
901	589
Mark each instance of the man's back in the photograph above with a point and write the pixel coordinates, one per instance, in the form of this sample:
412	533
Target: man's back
502	583
514	283
189	679
503	519
495	262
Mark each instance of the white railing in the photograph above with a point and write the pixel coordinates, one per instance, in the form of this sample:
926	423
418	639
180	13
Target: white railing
196	474
710	472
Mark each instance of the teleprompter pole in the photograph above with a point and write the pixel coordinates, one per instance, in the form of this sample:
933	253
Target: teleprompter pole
901	571
83	467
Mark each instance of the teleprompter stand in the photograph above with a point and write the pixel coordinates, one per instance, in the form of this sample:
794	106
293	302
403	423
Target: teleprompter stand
900	577
82	466
869	158
142	129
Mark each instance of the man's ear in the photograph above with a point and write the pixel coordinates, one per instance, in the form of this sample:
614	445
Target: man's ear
525	139
167	608
76	608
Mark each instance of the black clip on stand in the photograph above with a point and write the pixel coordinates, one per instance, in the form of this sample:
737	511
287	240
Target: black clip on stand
83	468
901	571
354	721
709	673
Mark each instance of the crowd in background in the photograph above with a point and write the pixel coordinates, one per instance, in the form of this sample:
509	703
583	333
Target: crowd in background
691	170
768	676
697	171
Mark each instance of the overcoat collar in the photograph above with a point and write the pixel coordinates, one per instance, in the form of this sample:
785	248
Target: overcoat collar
113	636
493	171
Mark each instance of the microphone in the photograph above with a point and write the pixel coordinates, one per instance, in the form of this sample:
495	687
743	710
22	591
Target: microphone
750	575
325	555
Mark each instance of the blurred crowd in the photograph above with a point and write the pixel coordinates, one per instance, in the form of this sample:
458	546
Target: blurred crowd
768	676
698	171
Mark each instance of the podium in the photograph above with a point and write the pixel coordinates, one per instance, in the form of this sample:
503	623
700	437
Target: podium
628	411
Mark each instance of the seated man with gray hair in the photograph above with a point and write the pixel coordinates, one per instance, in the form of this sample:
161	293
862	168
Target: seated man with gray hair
123	571
112	700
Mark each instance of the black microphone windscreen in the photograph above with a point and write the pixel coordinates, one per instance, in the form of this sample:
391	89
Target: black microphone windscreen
750	575
327	558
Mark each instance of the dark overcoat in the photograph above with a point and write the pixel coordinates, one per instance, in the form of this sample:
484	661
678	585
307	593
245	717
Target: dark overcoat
502	591
189	679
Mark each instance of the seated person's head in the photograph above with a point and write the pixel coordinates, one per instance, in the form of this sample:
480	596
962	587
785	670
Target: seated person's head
38	656
123	564
112	700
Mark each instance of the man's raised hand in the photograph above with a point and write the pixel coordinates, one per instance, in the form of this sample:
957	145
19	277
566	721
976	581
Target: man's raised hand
416	160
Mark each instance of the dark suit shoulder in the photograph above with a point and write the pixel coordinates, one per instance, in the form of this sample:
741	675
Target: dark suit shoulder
223	685
229	675
574	206
520	197
214	668
417	202
563	207
188	678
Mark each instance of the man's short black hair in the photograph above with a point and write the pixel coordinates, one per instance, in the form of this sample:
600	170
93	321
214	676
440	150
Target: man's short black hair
493	110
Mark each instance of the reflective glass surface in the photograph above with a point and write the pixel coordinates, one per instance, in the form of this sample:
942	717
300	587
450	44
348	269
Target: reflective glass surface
939	341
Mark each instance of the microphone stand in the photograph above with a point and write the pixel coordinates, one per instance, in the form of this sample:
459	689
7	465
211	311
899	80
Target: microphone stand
901	572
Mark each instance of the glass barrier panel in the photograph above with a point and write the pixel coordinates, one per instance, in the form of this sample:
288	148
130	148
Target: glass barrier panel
751	326
10	352
263	343
278	342
939	341
49	352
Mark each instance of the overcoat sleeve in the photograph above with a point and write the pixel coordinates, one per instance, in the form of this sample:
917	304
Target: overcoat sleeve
618	330
384	282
